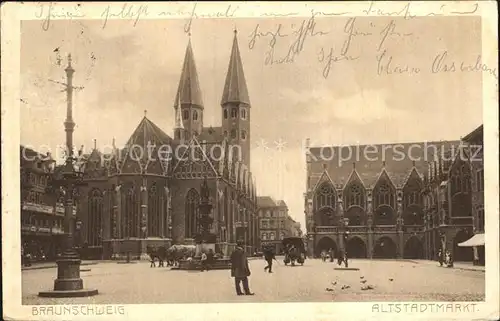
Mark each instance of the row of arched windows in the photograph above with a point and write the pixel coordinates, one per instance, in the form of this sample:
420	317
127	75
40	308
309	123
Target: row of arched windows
234	113
243	134
384	203
185	114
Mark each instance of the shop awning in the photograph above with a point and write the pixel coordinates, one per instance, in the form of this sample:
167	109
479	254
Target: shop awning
476	240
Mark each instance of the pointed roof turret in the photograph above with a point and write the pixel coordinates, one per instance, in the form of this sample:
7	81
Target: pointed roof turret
189	91
178	118
235	88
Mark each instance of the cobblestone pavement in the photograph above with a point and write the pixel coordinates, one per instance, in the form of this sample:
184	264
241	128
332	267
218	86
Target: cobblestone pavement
313	282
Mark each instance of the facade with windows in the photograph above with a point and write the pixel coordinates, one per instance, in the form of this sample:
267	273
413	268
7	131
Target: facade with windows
275	222
474	148
42	211
373	195
148	193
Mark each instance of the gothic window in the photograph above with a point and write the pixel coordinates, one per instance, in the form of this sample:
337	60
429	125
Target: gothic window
264	236
225	113
94	225
185	114
243	135
234	112
111	208
192	213
282	235
195	115
154	212
354	196
480	220
480	180
384	195
243	113
272	236
131	212
411	193
233	133
325	196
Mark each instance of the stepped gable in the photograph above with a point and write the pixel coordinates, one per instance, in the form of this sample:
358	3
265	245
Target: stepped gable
135	158
370	162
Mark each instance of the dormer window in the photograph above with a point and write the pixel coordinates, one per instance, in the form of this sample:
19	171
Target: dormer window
243	113
185	114
234	112
195	115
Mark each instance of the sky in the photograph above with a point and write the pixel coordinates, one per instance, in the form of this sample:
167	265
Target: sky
126	69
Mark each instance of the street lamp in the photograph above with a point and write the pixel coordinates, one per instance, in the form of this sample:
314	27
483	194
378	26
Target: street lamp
68	282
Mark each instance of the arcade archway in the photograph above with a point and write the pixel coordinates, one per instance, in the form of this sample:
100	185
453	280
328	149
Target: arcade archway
356	248
325	244
385	248
462	254
414	249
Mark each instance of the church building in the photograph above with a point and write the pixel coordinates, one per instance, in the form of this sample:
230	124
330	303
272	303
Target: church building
148	193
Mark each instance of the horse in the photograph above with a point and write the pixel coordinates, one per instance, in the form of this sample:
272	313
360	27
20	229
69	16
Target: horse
159	254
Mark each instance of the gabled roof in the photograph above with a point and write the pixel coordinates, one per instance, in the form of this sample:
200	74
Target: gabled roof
281	203
398	163
235	87
195	149
475	135
189	91
265	201
146	134
211	134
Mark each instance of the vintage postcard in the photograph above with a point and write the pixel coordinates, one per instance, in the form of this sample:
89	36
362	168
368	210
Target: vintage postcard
241	160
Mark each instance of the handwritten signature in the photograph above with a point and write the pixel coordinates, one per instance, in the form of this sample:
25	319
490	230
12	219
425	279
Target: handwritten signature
299	35
50	11
331	58
229	12
127	11
442	63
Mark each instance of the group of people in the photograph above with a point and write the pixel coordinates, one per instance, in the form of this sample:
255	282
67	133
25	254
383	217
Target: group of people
330	254
447	259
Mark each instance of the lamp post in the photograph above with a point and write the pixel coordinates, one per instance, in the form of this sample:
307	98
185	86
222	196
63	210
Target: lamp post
68	282
346	237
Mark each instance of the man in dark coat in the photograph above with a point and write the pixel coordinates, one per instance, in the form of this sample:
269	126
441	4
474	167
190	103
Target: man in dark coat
269	256
240	270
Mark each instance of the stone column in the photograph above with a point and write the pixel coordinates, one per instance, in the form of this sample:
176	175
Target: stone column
399	223
165	214
369	223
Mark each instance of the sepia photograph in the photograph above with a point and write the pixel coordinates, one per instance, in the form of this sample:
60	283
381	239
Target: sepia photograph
228	153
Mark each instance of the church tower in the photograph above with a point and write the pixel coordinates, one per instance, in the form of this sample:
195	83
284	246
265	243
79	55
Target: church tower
236	105
188	97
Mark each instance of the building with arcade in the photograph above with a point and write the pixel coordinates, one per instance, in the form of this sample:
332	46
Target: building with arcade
375	201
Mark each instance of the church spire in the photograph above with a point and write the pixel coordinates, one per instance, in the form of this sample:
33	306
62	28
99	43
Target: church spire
235	88
189	91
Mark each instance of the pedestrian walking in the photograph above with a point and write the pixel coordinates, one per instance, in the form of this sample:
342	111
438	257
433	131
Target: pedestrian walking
269	256
204	262
240	270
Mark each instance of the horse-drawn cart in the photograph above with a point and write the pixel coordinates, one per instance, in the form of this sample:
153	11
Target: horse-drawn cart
294	250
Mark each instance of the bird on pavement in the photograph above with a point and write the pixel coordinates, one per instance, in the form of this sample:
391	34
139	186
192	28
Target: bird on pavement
345	287
391	280
363	281
334	283
329	290
367	287
361	277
